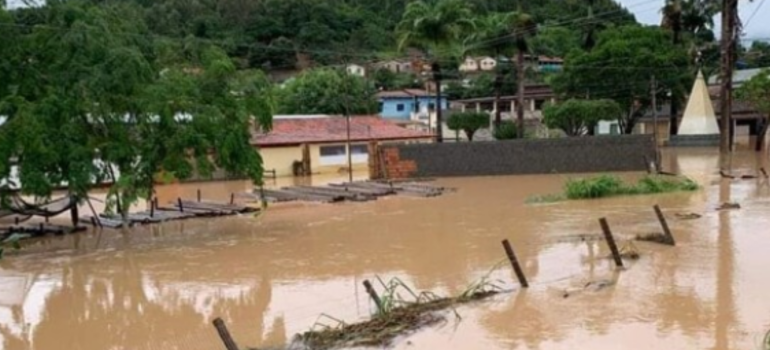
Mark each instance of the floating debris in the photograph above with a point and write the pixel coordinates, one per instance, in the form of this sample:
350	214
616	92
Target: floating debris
655	237
729	206
687	216
383	328
593	286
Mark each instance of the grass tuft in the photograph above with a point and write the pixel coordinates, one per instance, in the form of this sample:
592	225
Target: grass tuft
608	186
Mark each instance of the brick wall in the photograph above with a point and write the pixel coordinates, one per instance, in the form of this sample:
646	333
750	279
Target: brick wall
533	156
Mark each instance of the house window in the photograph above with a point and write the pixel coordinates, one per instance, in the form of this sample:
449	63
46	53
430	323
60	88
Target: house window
539	104
331	151
431	106
359	149
381	106
400	107
336	155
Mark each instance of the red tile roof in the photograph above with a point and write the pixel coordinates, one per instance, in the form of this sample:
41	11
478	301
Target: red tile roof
328	129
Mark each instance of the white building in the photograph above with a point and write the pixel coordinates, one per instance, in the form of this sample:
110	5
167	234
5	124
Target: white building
357	70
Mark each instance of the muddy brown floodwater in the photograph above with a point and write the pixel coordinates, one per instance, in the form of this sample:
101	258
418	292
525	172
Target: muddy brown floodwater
271	277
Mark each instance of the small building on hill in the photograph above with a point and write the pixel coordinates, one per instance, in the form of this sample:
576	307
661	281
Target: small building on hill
317	144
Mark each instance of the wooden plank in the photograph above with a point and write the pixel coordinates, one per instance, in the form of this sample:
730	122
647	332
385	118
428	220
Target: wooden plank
348	195
109	223
279	196
315	197
352	187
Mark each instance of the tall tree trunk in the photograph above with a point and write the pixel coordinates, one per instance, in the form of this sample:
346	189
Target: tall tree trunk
520	94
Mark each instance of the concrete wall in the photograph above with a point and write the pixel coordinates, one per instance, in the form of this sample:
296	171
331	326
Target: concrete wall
534	156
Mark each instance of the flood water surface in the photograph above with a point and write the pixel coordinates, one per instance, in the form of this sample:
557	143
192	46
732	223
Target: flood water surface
272	276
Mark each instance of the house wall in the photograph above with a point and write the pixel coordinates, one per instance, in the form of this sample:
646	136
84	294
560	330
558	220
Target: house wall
281	159
337	164
390	110
528	156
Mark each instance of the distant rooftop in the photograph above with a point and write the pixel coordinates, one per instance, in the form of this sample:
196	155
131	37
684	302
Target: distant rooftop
291	130
404	93
739	76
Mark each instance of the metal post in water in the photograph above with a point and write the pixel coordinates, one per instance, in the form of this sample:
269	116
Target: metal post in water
224	334
515	263
373	294
611	242
664	225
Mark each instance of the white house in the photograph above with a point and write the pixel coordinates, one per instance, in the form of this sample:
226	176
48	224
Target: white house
354	69
469	65
487	63
396	66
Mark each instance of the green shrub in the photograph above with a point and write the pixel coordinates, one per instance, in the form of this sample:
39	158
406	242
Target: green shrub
607	185
507	130
597	187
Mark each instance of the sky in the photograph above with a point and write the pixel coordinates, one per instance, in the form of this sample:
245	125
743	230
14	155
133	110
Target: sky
755	28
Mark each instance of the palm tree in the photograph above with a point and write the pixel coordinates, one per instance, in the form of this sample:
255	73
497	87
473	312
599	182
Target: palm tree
435	27
493	37
524	28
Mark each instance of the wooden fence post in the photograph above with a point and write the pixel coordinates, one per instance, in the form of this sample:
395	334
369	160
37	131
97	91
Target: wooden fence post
611	242
664	225
224	334
232	198
199	195
179	202
152	207
373	294
515	263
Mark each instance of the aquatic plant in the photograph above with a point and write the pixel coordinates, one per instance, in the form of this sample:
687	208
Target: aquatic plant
608	185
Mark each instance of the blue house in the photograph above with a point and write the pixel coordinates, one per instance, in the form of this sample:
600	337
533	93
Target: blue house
409	104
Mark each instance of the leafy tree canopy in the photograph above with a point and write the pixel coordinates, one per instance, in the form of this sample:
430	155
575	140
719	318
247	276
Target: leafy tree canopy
327	91
621	67
580	117
468	122
89	89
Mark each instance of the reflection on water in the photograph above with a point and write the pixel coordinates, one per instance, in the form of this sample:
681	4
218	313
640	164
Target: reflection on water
271	277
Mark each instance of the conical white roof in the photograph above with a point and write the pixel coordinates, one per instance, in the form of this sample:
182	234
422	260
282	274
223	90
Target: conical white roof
699	117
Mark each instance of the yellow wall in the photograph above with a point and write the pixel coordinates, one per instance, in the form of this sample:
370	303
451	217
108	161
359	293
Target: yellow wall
281	159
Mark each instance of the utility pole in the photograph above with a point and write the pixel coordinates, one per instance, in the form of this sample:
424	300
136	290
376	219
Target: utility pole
729	21
436	69
654	93
346	109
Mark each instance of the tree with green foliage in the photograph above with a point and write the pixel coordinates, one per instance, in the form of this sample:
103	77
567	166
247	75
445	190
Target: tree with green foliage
98	98
327	91
758	55
620	68
385	79
757	92
556	41
468	122
580	117
436	27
